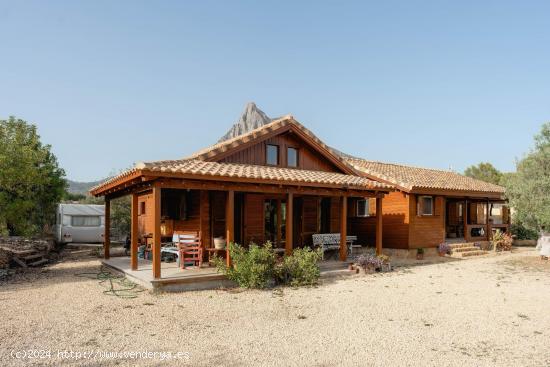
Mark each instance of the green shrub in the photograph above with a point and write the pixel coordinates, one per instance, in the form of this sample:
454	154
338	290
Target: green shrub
250	268
301	268
522	232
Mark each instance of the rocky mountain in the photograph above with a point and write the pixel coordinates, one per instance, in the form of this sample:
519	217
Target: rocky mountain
81	187
251	118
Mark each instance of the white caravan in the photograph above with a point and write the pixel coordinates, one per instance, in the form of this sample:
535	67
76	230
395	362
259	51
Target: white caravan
80	223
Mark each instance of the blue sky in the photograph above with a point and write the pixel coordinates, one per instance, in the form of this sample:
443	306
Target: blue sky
433	84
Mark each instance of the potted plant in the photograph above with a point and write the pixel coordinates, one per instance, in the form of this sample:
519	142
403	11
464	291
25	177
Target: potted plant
369	263
420	254
219	243
443	249
385	262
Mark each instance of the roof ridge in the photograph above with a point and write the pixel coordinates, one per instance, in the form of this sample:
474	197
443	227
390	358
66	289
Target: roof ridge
287	117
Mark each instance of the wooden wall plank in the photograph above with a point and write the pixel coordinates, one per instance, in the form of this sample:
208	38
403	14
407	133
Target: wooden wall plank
308	158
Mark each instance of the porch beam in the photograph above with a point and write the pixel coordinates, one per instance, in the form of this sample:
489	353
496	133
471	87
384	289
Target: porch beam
157	192
107	234
229	223
343	227
379	224
134	233
289	224
172	183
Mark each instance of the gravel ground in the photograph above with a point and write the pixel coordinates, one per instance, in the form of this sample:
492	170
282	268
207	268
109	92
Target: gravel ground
489	311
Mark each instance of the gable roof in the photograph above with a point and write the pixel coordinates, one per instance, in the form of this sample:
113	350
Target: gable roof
411	179
278	126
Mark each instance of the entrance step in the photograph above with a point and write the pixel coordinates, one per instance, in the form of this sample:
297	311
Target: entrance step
460	245
474	253
39	262
466	249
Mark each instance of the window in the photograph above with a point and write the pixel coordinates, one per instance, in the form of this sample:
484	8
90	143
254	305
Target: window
292	157
174	204
425	205
272	155
142	208
86	221
362	208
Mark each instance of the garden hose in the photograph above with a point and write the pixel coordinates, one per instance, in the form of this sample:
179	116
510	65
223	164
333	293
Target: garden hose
116	285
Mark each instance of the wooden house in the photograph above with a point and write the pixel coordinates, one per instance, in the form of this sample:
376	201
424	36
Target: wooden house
277	183
280	183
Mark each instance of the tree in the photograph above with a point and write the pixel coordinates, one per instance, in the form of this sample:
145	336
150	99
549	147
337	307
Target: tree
120	215
528	189
484	171
31	181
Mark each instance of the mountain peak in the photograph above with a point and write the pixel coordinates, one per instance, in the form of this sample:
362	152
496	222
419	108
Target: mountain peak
251	118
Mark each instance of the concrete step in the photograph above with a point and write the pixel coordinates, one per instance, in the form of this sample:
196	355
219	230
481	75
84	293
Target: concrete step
465	249
460	245
38	262
474	253
33	256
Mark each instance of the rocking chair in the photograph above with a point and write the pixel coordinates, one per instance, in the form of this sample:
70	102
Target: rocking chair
190	248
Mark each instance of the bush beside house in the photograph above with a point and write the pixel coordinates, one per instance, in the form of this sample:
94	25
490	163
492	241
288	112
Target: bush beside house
258	267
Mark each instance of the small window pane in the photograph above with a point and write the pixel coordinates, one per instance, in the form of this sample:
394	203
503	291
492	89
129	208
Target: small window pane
362	208
272	155
85	221
292	157
426	205
142	207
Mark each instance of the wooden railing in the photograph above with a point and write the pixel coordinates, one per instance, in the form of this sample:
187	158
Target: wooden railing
487	229
473	232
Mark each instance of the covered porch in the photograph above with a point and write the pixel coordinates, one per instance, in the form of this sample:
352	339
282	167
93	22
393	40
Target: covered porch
243	211
475	219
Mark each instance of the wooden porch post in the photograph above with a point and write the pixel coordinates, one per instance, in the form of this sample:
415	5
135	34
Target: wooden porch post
229	222
134	233
343	228
157	192
379	226
289	223
465	219
107	234
487	224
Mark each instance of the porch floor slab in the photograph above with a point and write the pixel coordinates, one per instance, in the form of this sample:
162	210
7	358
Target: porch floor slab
174	279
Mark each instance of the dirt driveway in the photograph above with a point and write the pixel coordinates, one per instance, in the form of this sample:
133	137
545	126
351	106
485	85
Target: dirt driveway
478	312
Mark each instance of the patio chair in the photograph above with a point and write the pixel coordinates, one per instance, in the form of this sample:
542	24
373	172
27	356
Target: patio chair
190	248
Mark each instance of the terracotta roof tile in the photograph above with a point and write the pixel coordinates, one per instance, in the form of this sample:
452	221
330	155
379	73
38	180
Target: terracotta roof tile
261	173
411	178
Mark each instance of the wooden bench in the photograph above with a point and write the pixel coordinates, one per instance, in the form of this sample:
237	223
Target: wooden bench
331	241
